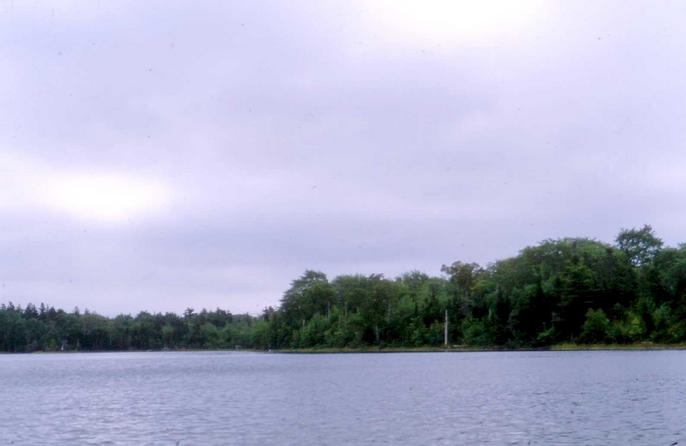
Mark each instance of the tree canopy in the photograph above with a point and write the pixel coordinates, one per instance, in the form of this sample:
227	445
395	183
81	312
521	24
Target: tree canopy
562	290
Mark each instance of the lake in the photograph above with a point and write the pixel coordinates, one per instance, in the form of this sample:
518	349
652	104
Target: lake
218	398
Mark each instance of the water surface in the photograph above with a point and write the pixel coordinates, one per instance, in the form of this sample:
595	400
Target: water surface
217	398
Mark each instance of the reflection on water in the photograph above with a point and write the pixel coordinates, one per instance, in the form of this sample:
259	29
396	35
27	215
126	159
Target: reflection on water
222	398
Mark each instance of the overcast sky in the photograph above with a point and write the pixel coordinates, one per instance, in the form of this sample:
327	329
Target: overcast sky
163	155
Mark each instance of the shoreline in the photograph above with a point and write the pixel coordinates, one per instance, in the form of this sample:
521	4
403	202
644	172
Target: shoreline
639	346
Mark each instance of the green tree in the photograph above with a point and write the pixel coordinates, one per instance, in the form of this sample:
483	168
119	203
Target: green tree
639	245
596	327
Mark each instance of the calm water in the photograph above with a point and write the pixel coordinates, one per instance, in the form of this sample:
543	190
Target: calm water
185	398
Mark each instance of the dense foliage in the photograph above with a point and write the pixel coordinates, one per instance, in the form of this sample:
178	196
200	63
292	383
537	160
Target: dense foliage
567	290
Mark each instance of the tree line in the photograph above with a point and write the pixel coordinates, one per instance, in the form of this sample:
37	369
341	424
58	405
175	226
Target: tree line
576	290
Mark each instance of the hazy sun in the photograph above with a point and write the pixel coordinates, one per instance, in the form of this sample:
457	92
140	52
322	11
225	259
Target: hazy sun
106	197
450	21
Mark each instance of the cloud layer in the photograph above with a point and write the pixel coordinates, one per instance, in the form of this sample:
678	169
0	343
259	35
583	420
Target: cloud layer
239	144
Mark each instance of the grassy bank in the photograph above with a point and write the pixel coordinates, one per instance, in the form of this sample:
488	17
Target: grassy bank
465	348
636	346
377	349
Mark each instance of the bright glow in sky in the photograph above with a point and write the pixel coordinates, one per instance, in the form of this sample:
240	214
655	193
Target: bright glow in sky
454	21
105	197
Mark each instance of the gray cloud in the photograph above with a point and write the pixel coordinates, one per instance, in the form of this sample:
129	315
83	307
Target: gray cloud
293	136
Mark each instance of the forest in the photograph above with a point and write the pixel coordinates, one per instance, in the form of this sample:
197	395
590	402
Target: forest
569	290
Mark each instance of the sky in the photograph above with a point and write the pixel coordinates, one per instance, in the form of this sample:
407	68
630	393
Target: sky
165	154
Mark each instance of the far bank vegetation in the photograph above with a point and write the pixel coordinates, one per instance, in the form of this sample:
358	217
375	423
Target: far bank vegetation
562	291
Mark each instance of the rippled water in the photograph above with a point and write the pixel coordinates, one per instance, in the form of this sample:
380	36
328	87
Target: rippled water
185	398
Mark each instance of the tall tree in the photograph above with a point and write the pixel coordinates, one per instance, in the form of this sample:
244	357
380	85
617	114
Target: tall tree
639	245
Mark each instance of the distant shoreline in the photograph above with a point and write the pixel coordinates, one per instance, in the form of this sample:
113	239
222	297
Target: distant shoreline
643	346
